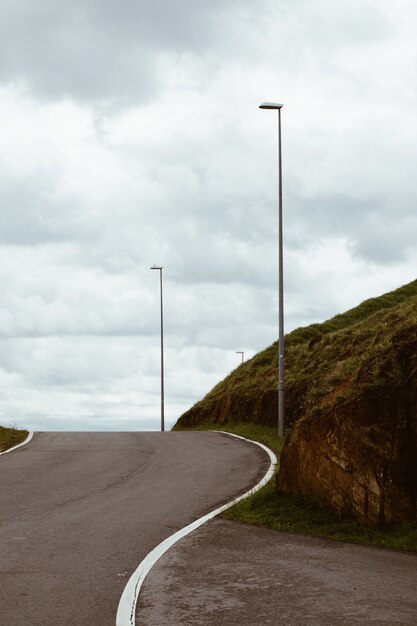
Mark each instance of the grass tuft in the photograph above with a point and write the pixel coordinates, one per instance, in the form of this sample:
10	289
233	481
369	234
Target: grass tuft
10	437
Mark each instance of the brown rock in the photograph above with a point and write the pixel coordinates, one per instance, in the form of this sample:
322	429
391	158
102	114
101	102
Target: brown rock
361	456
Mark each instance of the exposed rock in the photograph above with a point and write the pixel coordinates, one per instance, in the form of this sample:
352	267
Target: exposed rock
361	456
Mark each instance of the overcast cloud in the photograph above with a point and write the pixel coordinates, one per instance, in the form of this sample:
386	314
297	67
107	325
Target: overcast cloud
131	135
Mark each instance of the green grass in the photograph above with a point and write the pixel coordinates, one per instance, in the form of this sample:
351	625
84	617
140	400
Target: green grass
305	515
346	320
10	437
331	363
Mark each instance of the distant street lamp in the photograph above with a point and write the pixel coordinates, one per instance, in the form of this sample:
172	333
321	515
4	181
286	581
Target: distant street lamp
160	268
281	386
242	353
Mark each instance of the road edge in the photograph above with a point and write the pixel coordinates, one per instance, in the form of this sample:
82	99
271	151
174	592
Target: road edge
126	611
19	445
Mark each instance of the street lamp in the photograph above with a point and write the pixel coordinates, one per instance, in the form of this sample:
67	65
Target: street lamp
160	268
281	387
242	353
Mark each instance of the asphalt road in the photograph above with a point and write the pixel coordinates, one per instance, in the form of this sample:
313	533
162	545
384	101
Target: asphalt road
231	574
79	511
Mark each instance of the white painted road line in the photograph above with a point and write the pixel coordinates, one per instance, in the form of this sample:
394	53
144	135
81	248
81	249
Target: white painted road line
127	606
28	438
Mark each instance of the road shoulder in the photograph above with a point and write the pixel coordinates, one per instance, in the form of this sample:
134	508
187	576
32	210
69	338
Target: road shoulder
232	573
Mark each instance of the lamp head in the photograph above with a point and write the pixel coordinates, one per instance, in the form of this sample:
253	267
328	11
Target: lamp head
156	267
270	105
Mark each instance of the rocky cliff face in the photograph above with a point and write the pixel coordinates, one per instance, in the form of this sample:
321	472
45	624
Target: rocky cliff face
361	456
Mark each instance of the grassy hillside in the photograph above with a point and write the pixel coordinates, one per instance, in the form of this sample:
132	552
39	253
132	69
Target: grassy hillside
348	467
10	437
326	364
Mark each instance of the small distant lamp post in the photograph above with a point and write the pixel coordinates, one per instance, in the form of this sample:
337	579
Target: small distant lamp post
160	268
281	386
241	352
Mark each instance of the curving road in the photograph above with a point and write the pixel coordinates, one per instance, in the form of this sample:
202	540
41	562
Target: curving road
79	511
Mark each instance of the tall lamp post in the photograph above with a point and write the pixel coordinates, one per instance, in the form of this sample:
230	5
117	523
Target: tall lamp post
160	268
242	353
281	386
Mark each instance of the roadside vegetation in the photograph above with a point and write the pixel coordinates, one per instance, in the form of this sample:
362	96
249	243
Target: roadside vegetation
306	515
10	437
326	364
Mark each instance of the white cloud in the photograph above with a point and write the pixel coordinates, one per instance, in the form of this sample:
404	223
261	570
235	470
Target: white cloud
135	138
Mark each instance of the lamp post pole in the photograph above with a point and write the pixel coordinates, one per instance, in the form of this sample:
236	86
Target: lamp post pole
160	268
242	353
281	347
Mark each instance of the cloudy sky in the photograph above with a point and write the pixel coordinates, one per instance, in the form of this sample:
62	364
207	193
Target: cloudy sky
131	135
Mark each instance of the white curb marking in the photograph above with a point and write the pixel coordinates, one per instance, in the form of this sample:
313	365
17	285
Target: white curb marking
127	605
28	438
